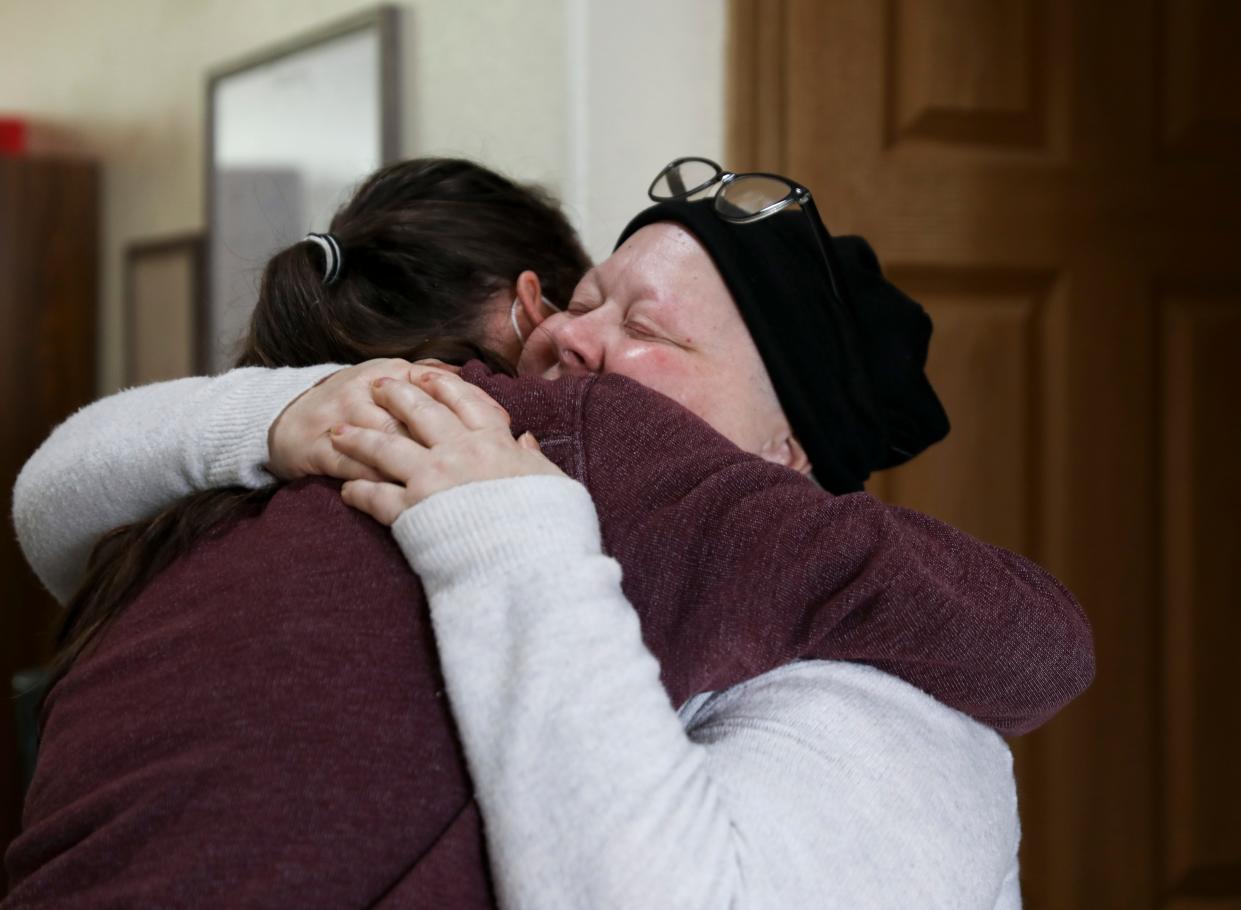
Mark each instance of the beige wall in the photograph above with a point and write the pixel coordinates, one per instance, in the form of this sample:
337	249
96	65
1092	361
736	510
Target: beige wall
586	96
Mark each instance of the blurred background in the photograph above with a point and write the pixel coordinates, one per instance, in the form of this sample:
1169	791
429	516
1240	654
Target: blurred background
1055	180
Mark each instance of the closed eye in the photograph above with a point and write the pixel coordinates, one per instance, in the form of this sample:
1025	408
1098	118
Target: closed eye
639	329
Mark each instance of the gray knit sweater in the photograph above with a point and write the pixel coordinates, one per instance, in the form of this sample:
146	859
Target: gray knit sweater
820	784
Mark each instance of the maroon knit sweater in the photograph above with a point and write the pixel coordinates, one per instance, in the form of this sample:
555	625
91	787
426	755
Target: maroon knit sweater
265	724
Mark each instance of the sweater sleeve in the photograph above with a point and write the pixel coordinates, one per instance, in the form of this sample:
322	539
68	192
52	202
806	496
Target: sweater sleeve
983	630
127	456
818	784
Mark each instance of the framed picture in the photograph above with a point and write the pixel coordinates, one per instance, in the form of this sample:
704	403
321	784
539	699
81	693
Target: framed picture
290	132
164	309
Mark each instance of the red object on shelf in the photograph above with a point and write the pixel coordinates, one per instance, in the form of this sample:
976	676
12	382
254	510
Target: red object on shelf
13	136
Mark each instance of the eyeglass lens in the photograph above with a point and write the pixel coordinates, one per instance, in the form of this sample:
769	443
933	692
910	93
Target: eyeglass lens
749	194
684	179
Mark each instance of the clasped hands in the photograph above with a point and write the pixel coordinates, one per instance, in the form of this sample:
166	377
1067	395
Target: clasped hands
398	432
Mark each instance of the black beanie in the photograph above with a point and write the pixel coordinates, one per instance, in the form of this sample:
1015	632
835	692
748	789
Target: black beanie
849	374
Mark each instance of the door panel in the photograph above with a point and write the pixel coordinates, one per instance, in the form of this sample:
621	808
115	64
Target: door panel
1201	375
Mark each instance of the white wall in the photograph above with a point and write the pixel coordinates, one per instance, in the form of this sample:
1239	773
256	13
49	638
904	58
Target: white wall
645	81
589	97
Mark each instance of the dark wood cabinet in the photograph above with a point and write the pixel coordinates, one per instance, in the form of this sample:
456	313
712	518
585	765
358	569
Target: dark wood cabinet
49	249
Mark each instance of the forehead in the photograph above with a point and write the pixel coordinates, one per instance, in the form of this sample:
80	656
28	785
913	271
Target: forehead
666	241
660	259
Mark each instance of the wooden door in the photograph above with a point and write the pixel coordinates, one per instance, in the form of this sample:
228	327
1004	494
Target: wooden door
1058	182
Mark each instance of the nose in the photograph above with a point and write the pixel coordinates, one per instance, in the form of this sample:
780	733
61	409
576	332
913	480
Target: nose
579	345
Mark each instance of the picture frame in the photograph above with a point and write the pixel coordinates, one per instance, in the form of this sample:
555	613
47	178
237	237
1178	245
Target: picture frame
290	131
163	309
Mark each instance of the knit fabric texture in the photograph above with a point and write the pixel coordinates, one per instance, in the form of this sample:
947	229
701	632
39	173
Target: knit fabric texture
818	784
265	724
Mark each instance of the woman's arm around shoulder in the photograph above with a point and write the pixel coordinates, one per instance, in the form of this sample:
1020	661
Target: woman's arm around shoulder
127	456
982	629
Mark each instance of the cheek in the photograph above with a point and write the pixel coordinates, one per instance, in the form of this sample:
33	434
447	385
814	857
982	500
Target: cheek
697	383
737	401
663	368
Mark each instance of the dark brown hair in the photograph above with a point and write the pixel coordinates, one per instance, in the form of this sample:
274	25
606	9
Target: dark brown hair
425	243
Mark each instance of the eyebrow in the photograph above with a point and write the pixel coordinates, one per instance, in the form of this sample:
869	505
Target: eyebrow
649	293
643	292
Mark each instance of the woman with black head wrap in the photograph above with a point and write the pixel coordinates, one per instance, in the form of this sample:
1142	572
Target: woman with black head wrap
845	350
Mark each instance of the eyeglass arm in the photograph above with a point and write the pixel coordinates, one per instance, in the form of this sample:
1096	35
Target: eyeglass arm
675	183
822	237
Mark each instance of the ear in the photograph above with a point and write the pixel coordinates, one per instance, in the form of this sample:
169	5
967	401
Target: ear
530	298
787	451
